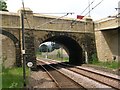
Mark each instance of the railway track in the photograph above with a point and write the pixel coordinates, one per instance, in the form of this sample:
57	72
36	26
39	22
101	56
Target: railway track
102	78
113	82
61	80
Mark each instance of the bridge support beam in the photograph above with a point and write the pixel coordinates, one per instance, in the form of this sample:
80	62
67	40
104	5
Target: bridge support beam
29	37
30	50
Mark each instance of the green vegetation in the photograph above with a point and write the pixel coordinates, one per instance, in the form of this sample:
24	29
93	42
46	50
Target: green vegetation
108	64
65	59
13	77
58	56
38	53
93	59
0	76
3	5
48	48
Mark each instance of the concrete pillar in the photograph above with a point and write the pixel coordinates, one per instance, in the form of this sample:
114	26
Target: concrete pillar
28	17
29	37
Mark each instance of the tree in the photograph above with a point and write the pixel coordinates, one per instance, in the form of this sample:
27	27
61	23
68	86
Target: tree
3	5
44	48
55	46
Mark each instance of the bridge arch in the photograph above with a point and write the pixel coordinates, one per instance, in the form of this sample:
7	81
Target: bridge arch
72	47
16	43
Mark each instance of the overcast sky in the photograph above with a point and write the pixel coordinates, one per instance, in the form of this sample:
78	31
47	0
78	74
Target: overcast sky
106	8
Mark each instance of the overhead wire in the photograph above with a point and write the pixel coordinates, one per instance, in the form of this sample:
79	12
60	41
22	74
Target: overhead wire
26	18
55	19
85	36
67	14
113	16
44	13
87	7
54	13
75	20
61	13
94	7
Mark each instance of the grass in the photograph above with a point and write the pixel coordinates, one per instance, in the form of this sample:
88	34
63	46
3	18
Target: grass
0	76
107	64
55	57
65	59
13	77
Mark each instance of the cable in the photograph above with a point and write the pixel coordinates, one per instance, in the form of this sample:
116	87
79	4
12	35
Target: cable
46	13
61	13
54	19
27	21
87	7
26	18
71	13
74	21
94	7
55	13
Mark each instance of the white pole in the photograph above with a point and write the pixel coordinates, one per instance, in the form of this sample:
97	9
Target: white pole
86	57
89	7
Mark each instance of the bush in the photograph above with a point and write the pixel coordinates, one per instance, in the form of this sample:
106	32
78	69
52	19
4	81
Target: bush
94	59
58	54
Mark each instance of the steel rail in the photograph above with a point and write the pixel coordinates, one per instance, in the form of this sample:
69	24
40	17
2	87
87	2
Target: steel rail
94	72
79	85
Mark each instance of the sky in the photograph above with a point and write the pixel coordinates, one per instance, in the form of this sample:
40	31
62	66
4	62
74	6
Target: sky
105	9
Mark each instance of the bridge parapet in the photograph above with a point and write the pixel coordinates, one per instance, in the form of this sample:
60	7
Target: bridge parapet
107	23
10	19
53	23
40	21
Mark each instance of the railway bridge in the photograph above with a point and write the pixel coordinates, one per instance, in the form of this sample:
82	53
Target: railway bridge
76	36
107	36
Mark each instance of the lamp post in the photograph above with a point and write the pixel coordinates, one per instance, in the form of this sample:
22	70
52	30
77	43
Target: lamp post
23	50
